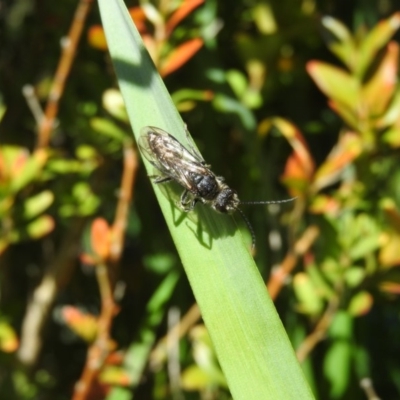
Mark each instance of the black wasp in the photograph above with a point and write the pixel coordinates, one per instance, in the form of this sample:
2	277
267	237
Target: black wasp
188	168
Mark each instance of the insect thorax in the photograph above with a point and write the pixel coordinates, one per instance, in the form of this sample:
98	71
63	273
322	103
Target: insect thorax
206	187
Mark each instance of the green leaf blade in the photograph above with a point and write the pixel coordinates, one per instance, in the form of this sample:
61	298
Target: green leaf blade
252	346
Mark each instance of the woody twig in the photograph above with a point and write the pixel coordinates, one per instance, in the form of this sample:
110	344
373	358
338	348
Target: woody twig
105	269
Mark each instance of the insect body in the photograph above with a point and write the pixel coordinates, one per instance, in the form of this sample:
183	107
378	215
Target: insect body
188	168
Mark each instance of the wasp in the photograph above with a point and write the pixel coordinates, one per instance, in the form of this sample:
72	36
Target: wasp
187	167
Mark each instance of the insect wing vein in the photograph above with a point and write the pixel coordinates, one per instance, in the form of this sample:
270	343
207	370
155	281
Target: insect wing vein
171	158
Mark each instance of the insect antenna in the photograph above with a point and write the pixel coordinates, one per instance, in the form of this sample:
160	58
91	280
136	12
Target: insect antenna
269	201
250	228
246	220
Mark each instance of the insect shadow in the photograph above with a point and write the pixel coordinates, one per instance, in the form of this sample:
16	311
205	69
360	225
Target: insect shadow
202	222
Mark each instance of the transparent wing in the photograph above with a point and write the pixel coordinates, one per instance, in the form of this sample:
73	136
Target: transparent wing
171	158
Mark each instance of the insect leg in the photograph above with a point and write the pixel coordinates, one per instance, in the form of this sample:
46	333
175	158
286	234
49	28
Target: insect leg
160	179
186	203
184	200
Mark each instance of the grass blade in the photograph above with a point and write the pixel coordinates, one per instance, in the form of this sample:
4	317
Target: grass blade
251	343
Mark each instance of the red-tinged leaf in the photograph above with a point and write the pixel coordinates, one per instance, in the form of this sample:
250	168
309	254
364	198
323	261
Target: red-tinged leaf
376	39
348	115
347	149
19	162
180	56
294	176
379	90
182	12
84	325
335	83
87	259
360	304
115	358
139	18
111	375
97	38
295	139
8	338
390	287
100	238
40	227
344	46
323	204
389	255
12	162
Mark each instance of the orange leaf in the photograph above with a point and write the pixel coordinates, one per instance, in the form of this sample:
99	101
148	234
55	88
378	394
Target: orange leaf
180	56
295	176
115	358
97	38
100	238
390	287
139	18
87	259
296	140
182	12
8	338
347	149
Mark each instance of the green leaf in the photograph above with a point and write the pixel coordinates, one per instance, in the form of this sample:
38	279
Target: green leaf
226	104
309	298
38	203
376	39
252	346
344	46
339	356
107	128
40	227
360	303
237	81
114	104
335	83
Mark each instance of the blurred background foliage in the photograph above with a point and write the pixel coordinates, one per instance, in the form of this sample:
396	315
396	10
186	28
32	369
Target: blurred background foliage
284	98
